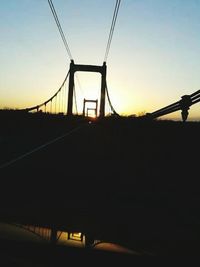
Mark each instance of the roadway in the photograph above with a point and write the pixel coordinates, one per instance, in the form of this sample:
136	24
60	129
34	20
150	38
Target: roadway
112	181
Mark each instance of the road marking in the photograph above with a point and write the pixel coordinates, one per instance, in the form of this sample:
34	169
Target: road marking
39	148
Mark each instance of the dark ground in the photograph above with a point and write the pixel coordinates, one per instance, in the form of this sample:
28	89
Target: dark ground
125	180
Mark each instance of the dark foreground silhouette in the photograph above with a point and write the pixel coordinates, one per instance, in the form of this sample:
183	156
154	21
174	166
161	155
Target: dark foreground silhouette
123	180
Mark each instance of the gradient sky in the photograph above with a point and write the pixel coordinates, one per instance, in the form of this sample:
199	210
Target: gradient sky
153	59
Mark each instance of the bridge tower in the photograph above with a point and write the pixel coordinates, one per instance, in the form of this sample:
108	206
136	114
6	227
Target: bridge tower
89	68
90	101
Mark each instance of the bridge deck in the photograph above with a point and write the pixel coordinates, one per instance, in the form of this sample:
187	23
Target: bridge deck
125	181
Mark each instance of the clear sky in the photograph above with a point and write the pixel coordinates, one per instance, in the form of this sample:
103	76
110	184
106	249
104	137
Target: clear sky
153	59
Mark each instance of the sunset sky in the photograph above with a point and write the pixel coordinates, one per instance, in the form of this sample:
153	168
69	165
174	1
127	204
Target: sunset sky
153	59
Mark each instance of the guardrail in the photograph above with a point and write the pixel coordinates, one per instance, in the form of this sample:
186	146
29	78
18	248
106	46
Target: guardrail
183	105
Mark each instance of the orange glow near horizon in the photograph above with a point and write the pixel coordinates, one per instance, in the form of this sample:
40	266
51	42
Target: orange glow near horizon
125	103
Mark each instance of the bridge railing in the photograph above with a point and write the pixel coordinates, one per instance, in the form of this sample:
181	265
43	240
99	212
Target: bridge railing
183	105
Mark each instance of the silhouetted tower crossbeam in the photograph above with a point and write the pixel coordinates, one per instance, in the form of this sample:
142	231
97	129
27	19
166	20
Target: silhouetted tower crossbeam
87	68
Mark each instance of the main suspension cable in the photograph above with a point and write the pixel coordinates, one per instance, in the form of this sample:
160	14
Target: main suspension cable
50	99
60	28
109	101
112	28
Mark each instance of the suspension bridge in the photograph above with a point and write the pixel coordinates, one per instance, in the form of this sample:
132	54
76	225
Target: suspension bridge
57	103
64	100
103	174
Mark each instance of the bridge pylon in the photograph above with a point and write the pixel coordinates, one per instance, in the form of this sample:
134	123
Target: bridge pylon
87	68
